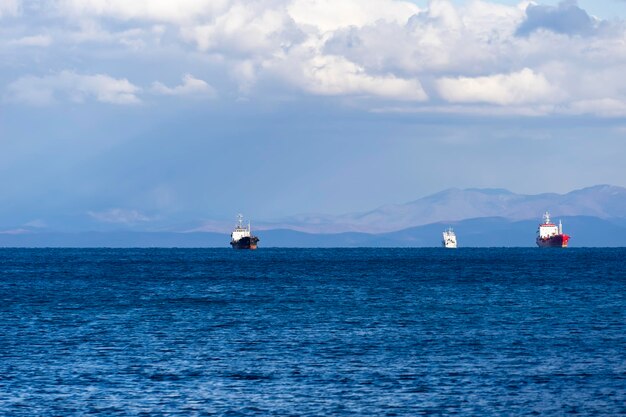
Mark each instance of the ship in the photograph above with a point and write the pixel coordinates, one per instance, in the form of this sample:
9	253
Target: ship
241	238
549	235
449	239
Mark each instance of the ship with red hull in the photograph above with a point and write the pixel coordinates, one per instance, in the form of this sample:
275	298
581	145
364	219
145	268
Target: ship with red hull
549	235
241	238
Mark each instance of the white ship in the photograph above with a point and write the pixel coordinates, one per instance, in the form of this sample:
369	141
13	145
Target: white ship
449	239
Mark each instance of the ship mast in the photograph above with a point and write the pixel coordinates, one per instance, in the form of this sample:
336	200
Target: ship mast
546	217
240	221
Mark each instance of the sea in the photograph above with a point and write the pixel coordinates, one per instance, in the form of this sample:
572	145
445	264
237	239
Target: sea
313	332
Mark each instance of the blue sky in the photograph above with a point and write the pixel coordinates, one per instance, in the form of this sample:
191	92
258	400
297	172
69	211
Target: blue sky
159	114
604	9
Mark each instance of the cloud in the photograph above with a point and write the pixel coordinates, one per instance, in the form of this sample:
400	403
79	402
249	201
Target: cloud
331	15
334	75
36	223
18	231
75	87
35	40
479	52
117	215
606	107
441	38
286	43
525	86
566	18
245	29
319	14
92	32
159	10
9	8
190	87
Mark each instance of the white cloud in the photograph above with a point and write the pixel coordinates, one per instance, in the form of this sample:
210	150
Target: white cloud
36	223
604	107
35	40
490	21
470	54
117	215
159	10
334	75
330	15
9	8
245	73
321	14
91	31
18	231
525	86
439	39
244	29
190	87
45	90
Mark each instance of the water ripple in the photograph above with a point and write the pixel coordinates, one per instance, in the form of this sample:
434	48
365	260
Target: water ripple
168	332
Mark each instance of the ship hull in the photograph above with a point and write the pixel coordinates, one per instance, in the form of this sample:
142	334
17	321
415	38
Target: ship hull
245	243
557	241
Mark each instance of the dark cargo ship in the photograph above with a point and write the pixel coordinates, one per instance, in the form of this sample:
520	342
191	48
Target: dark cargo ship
241	238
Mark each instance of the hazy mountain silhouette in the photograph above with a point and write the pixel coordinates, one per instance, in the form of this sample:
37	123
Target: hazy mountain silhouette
602	201
594	216
480	232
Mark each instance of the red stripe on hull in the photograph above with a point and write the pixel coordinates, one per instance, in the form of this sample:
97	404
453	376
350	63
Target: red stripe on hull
557	241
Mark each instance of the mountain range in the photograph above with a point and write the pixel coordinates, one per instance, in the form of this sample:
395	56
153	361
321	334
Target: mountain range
594	216
452	205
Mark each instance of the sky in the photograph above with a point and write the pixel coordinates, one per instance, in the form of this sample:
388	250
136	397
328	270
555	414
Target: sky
161	115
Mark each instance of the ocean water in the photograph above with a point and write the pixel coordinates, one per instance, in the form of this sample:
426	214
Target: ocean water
312	332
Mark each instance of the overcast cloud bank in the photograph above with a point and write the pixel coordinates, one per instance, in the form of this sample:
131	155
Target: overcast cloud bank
524	59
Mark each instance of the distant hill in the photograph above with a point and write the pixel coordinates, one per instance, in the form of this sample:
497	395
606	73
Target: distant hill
121	239
479	232
594	216
602	201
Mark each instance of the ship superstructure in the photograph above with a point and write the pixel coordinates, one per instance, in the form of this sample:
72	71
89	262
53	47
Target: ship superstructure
449	239
549	235
241	238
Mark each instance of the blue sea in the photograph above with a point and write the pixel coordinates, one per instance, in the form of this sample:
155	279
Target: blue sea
312	332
